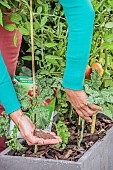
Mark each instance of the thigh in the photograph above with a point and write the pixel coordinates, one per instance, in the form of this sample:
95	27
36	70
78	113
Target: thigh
9	51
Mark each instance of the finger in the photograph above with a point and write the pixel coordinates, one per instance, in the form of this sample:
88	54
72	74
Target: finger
95	107
88	111
84	112
88	119
52	133
32	140
81	114
58	138
41	141
30	144
50	142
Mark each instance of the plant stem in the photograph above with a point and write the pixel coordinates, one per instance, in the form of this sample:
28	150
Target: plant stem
93	123
79	120
42	46
70	113
106	63
81	134
101	50
50	15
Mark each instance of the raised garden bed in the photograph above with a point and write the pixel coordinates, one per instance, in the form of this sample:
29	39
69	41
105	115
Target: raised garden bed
98	157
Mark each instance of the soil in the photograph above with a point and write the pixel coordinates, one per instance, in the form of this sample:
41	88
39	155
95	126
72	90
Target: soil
41	134
72	152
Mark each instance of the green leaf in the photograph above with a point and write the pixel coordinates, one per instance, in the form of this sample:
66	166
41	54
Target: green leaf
24	31
107	46
109	37
15	18
43	21
107	112
109	25
10	27
39	10
29	58
30	50
5	4
52	57
39	2
49	45
15	39
1	20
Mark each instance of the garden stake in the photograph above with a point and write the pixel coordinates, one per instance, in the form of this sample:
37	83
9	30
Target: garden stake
93	123
33	59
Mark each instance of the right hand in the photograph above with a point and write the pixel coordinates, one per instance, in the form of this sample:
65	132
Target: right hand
27	128
78	99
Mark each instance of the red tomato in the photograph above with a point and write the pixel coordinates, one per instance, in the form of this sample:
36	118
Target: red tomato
30	92
98	67
47	102
31	100
54	93
88	72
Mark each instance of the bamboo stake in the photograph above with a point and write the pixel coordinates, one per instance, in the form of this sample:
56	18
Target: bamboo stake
33	59
32	46
93	123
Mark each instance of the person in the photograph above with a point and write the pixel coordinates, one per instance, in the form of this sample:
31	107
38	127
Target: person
80	19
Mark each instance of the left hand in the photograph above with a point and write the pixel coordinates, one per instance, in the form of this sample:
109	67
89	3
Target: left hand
27	128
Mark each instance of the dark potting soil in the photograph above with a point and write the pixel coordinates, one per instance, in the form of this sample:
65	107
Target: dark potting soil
72	152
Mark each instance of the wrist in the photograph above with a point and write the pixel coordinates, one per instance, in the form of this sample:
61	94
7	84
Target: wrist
16	116
68	89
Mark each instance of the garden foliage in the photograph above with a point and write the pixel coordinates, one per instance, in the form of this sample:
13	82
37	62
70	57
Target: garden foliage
50	41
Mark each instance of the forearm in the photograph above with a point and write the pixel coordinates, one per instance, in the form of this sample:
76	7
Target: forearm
8	96
80	18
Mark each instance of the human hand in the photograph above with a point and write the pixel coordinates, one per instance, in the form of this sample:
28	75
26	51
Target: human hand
27	128
78	99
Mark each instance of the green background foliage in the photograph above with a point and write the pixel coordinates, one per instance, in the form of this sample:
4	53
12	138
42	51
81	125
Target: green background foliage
50	40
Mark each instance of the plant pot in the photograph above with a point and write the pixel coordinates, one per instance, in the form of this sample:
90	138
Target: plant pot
98	157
